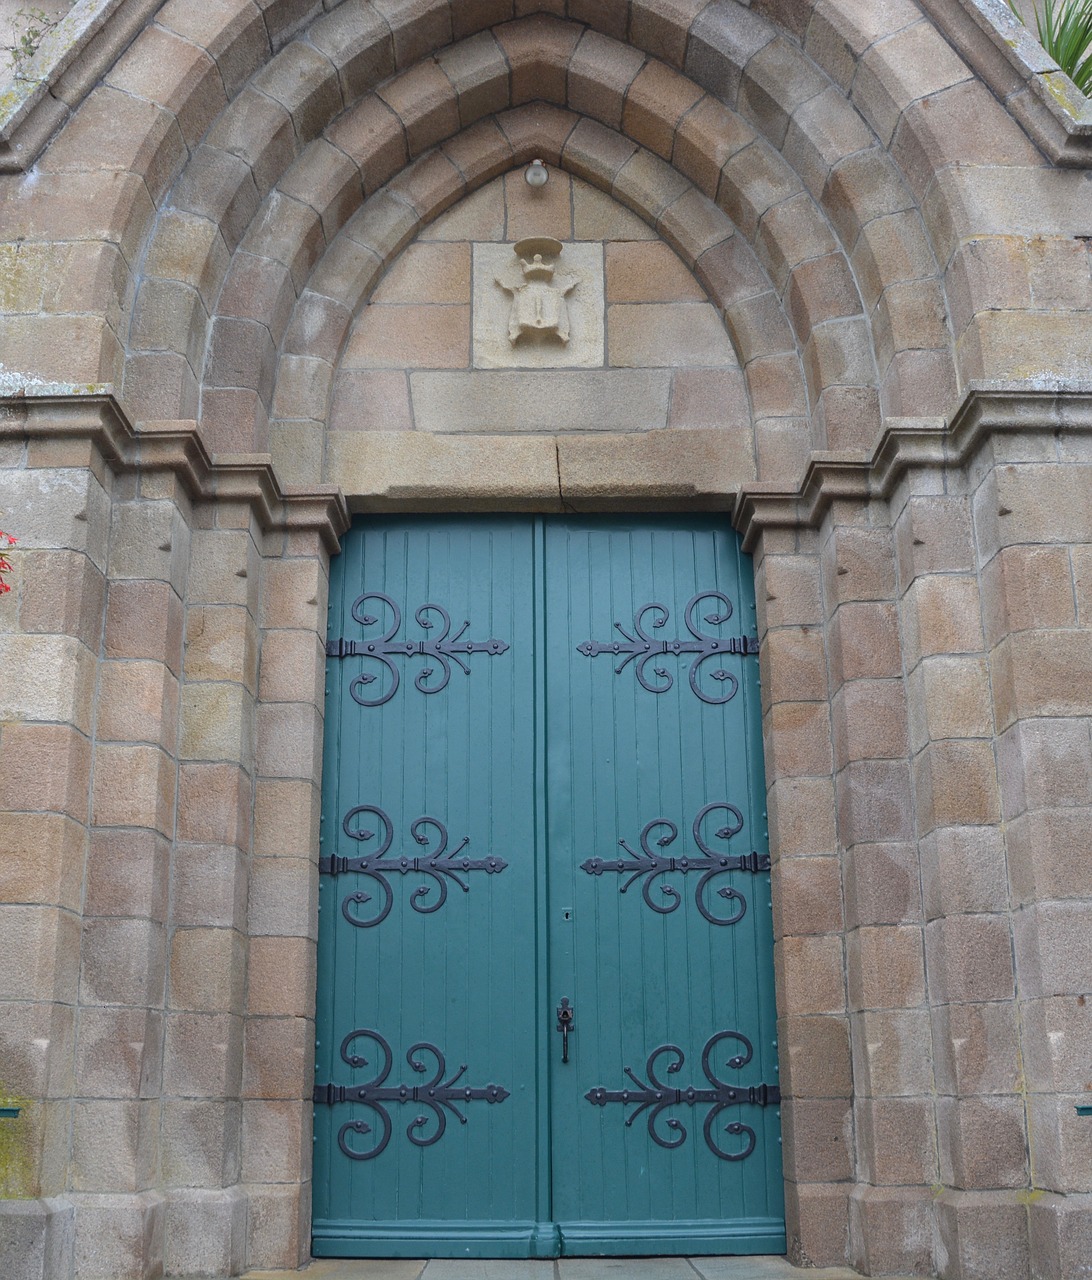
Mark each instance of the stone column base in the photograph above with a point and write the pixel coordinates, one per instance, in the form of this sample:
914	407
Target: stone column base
205	1232
37	1239
1061	1237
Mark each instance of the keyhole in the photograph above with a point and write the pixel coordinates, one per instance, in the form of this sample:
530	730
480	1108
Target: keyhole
567	913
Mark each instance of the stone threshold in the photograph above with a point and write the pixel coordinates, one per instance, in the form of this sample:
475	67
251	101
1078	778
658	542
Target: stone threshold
753	1268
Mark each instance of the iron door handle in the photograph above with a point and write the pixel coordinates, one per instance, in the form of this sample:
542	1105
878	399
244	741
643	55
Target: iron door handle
565	1025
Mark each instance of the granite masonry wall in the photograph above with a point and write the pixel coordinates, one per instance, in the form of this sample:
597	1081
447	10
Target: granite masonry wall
838	257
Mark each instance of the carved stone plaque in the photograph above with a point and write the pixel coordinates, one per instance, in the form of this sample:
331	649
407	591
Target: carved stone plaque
538	304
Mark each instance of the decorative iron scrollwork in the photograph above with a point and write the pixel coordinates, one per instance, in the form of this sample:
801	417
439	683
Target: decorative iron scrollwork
439	865
642	647
649	864
660	1096
383	648
438	1098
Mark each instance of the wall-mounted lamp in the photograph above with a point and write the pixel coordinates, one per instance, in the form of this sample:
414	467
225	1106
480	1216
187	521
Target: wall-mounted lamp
537	174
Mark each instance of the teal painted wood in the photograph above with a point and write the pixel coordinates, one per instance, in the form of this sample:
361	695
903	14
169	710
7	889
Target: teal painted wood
620	757
463	976
544	757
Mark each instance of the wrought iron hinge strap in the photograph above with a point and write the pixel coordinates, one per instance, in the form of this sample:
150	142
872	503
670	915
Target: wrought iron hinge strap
439	865
439	1098
658	1096
643	648
648	864
443	648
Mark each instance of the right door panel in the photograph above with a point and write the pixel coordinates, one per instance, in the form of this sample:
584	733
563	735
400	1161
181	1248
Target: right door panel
664	1121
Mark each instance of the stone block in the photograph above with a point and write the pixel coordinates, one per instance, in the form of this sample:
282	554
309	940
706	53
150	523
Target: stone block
279	1058
709	399
390	466
203	1055
676	334
817	1138
891	1230
283	897
810	975
207	970
214	804
787	589
281	977
137	702
144	620
969	959
200	1143
956	783
134	787
62	593
802	816
873	802
600	72
963	870
977	1229
775	83
216	722
38	1238
276	1136
221	644
1045	764
654	105
286	816
205	1232
1061	1235
533	211
818	290
114	1144
1025	588
122	961
815	1057
424	99
817	1223
209	886
892	1053
869	721
1053	949
43	859
647	184
150	540
642	271
119	1053
983	1142
127	874
976	1048
436	337
1041	675
542	401
896	1140
885	967
752	181
798	739
882	884
723	38
289	740
1057	1044
792	664
278	1223
857	566
950	699
579	269
118	1235
39	947
807	896
44	767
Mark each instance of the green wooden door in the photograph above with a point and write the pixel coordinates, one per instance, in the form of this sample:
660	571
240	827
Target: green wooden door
542	783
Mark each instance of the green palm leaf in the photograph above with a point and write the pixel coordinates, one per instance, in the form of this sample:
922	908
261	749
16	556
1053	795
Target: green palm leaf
1065	32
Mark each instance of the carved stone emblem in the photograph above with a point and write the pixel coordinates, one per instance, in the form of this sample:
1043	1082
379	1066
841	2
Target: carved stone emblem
538	291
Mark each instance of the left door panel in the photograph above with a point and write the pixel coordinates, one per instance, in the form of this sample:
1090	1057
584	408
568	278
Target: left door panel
426	1130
